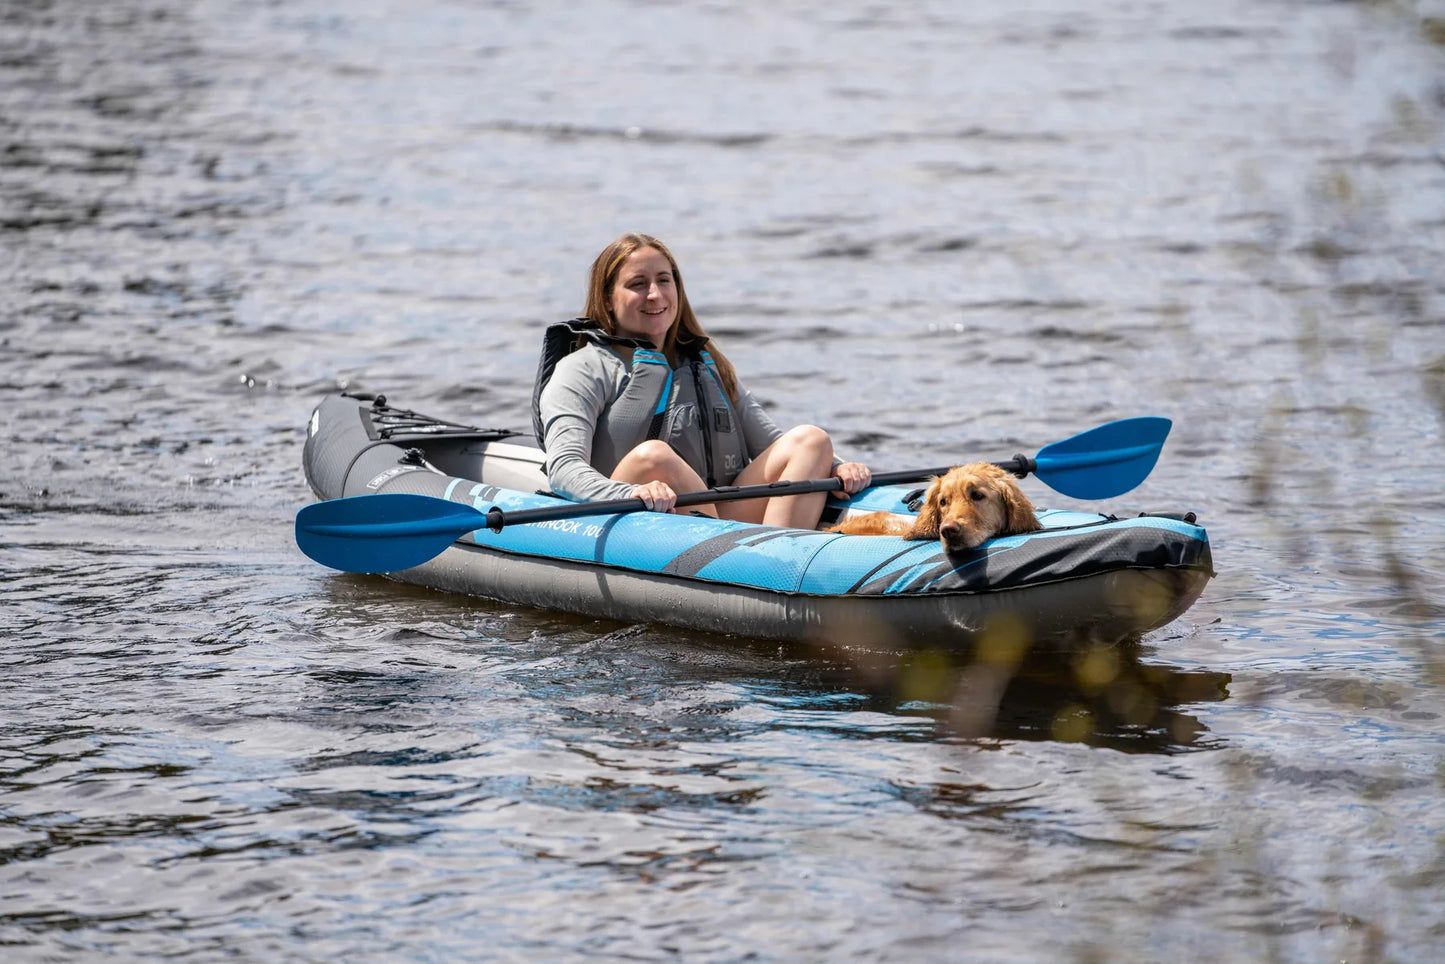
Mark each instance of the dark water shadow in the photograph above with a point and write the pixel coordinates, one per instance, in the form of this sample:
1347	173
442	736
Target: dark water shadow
1101	694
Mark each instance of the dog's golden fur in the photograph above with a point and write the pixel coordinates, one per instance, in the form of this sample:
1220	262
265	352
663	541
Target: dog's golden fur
962	509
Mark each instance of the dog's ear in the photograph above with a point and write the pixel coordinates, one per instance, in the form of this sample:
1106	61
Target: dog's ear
1018	510
929	518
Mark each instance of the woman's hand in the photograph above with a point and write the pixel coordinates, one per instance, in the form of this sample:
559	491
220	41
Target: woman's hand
855	476
658	496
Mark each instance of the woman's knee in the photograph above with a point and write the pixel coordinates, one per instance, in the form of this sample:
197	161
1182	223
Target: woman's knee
810	439
653	460
654	454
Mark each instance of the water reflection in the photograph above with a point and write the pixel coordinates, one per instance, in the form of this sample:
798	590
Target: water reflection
1104	696
640	685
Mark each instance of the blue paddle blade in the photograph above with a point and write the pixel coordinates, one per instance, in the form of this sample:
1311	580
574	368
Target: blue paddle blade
1105	461
382	533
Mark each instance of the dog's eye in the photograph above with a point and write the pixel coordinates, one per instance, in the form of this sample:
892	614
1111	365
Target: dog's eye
942	502
977	495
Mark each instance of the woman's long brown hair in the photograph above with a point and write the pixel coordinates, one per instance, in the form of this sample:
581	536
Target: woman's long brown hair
599	301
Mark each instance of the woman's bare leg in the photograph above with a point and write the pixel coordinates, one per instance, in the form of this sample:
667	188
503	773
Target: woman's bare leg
804	452
656	461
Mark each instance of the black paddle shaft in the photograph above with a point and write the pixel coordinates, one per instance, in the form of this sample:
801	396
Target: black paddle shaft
1020	465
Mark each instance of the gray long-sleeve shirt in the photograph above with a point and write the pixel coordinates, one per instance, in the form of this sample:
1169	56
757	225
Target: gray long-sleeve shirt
579	424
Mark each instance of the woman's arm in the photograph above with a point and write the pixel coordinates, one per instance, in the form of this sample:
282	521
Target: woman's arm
571	404
759	429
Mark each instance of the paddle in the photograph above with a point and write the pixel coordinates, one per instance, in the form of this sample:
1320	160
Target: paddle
1098	464
393	531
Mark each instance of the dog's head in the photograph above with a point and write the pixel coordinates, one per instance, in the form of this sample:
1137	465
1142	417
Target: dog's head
973	503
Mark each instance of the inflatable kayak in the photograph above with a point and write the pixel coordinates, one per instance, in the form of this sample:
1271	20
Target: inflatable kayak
1084	575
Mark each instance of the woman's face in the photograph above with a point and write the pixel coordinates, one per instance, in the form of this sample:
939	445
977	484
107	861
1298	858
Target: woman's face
644	298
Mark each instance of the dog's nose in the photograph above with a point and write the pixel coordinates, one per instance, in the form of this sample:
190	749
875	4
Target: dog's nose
949	528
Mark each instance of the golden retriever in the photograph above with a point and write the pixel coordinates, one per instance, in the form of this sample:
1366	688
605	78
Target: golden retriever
963	509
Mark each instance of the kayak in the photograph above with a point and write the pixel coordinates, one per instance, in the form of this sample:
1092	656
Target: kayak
1083	576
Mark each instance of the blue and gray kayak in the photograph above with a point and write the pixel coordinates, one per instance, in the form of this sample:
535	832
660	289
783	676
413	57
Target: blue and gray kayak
1083	576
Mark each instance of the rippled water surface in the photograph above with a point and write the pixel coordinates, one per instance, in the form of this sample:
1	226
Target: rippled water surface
941	230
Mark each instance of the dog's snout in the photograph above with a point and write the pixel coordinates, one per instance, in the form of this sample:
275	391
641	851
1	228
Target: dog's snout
949	528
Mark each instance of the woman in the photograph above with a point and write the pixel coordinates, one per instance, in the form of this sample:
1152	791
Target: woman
647	408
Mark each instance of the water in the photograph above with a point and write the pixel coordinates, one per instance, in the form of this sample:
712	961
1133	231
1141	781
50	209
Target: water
942	230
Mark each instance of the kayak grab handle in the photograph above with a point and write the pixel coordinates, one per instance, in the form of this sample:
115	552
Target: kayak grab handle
1187	517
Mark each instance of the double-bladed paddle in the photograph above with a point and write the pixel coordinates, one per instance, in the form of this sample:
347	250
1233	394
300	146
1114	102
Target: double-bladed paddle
394	531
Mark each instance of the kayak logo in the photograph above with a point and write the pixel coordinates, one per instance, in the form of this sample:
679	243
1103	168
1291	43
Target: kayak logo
390	474
572	527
